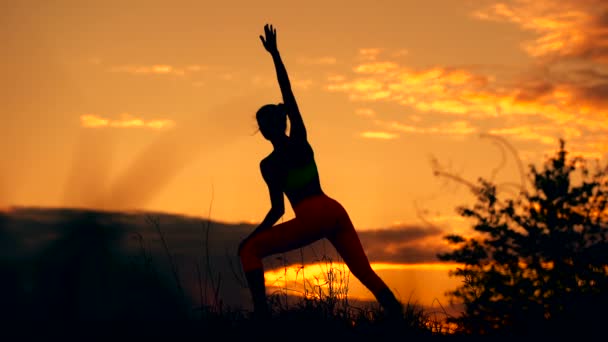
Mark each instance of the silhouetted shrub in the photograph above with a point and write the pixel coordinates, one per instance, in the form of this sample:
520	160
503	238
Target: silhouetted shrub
537	263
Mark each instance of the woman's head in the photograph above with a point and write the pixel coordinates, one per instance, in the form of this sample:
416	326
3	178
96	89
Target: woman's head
272	120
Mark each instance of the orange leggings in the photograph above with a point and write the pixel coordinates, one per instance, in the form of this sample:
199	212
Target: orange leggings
316	218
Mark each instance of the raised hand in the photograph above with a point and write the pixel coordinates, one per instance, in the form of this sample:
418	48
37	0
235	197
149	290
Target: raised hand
270	41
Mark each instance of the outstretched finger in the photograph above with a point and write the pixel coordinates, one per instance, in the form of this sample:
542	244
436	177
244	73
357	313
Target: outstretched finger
262	39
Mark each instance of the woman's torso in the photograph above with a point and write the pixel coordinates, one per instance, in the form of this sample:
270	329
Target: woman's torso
293	167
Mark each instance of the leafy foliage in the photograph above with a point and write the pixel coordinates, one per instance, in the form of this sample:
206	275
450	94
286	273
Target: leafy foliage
537	263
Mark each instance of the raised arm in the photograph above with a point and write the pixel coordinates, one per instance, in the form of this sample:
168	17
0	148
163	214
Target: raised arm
297	130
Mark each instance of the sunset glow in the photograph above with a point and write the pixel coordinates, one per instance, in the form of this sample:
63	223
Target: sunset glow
139	105
313	280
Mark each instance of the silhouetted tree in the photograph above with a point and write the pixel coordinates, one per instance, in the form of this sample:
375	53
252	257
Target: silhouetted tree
537	263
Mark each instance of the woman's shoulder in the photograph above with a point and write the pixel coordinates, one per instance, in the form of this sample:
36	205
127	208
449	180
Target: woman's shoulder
269	163
271	168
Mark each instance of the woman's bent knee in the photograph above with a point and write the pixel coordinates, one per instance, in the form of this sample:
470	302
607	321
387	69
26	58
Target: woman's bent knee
249	256
241	246
244	248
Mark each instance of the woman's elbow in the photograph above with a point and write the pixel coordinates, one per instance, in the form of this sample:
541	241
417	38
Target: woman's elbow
278	211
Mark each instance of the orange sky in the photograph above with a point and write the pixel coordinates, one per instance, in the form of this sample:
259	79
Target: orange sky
150	104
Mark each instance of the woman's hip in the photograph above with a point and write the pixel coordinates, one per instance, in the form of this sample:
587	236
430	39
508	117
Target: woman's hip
319	207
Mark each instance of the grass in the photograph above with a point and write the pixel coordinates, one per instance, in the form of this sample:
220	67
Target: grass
83	277
318	304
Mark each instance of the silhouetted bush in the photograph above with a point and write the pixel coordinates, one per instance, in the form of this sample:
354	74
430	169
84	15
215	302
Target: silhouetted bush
538	263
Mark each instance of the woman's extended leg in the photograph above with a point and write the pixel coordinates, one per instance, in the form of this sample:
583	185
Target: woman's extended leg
346	242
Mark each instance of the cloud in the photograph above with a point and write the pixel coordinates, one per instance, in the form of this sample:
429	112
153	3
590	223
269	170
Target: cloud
403	245
302	84
376	68
400	53
369	53
561	98
565	29
158	69
195	67
357	86
90	120
366	112
372	54
562	93
526	133
459	127
317	60
127	121
415	118
336	78
263	81
435	88
379	135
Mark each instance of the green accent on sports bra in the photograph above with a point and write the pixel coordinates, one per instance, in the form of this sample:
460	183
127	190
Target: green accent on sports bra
298	178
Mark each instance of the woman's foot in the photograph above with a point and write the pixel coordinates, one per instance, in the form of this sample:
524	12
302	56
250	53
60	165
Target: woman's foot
392	307
255	280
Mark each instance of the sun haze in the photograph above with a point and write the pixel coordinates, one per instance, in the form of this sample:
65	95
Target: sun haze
151	105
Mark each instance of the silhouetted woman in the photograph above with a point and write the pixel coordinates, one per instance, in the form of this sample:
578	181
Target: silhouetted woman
290	168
